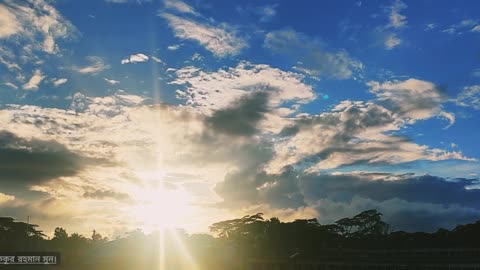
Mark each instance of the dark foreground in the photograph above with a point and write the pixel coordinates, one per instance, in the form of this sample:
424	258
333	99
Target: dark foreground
252	242
448	259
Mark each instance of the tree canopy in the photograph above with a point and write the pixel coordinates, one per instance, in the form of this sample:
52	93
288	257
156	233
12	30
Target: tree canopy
251	236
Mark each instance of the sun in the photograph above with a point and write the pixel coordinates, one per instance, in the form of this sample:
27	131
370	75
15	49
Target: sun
161	208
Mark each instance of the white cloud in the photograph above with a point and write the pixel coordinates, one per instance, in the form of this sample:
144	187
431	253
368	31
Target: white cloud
430	27
97	65
222	39
28	30
315	59
4	198
260	96
156	59
469	97
34	81
397	20
412	99
392	41
179	6
8	23
352	132
357	131
197	57
174	47
36	23
450	30
111	81
462	27
7	57
9	84
135	58
58	82
217	90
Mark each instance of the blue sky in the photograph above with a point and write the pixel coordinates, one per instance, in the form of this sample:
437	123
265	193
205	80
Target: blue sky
294	109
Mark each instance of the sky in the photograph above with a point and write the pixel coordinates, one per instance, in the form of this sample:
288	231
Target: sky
125	114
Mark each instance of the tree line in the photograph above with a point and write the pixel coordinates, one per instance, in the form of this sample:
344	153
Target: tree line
232	243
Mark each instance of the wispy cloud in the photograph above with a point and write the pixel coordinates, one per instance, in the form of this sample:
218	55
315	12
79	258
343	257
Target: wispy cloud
11	85
196	57
179	6
58	82
157	60
469	97
396	22
111	81
221	39
412	99
265	12
97	65
30	30
430	27
35	22
8	22
174	47
315	59
462	27
135	58
392	41
396	19
34	81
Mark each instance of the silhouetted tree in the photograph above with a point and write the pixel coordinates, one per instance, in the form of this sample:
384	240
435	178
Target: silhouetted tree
237	240
60	234
366	224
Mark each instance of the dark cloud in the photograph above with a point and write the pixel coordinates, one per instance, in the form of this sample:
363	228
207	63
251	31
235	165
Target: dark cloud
349	120
424	189
106	195
409	202
244	187
341	132
25	162
241	118
414	203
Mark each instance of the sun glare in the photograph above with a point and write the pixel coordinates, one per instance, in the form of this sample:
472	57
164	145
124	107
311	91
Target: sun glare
161	208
